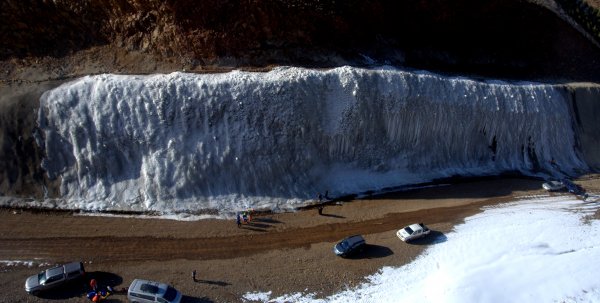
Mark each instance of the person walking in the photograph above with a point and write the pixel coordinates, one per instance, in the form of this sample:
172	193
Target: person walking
320	208
194	275
239	222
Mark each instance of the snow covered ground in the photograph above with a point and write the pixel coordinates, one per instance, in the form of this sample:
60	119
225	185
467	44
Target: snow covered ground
541	249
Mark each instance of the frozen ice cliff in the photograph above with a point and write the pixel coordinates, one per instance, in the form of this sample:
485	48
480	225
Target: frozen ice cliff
190	142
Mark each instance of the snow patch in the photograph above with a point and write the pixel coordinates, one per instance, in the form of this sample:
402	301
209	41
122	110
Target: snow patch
537	250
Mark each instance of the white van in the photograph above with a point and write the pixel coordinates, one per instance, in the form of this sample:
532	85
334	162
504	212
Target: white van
144	291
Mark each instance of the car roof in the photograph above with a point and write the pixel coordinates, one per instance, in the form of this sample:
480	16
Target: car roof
73	266
148	287
54	271
355	238
415	226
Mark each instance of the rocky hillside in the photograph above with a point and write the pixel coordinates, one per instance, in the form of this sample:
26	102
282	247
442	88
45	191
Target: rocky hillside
498	38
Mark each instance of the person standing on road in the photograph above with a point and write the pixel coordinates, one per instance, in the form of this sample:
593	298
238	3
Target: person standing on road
194	275
93	284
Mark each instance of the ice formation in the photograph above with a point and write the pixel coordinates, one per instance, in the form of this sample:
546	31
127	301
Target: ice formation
188	142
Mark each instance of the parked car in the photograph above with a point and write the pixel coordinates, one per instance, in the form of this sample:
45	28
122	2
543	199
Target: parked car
142	291
553	186
572	187
412	232
54	277
349	246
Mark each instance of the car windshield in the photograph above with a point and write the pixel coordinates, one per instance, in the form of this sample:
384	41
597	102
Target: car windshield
344	245
148	288
170	294
409	230
42	277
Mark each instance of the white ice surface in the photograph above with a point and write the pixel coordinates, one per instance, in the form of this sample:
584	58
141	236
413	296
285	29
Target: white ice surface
536	250
187	143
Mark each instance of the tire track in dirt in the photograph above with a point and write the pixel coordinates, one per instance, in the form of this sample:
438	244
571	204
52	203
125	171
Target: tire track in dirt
110	248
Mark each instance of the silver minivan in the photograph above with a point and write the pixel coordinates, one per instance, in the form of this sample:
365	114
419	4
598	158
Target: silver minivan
144	291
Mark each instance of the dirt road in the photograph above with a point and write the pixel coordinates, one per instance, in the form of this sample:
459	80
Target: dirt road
283	253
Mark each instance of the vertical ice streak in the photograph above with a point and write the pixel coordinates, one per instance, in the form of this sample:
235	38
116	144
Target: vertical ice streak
235	140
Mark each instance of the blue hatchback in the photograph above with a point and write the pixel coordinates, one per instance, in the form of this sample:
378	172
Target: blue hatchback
349	246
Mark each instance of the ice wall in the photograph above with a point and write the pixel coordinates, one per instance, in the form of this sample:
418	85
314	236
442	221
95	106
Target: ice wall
273	140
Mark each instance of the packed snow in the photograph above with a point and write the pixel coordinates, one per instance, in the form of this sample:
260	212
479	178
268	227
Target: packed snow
538	250
188	142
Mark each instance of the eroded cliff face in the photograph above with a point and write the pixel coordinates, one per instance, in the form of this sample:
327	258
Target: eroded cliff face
508	38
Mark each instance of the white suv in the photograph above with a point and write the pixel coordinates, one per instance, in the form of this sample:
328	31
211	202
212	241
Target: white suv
412	232
142	291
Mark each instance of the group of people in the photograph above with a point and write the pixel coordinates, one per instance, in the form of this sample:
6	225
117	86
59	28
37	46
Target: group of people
96	294
245	217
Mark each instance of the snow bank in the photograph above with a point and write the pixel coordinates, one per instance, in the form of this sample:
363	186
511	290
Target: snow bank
542	250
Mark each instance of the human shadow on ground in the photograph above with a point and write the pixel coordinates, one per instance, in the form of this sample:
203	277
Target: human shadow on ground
257	225
219	283
188	299
372	251
266	220
250	227
333	216
434	237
